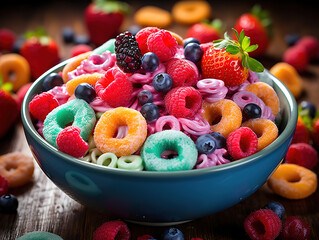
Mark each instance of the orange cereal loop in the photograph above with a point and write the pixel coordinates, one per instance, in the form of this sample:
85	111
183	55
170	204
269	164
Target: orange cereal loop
267	94
289	76
108	125
150	16
85	78
14	69
178	38
265	130
293	181
190	12
73	65
224	116
17	168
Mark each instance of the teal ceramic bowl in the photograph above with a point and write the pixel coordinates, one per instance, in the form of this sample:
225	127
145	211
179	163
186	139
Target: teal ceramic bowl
161	197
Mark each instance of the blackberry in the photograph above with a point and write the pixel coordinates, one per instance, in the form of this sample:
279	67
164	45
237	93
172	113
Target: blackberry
128	54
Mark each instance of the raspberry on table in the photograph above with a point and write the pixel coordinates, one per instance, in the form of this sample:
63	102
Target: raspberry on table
163	44
183	102
70	142
128	54
294	229
262	224
182	72
3	185
42	104
112	230
242	143
142	36
302	154
311	45
297	57
145	237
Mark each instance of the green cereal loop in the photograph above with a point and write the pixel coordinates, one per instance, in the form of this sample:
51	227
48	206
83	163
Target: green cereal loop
40	235
108	160
174	140
131	162
107	46
77	111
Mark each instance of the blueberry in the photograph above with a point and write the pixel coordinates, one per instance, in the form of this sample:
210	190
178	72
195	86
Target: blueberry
150	112
81	39
251	111
51	81
85	91
134	29
220	140
68	35
172	234
311	108
277	207
8	203
17	45
292	39
144	96
162	82
193	52
150	62
190	40
206	144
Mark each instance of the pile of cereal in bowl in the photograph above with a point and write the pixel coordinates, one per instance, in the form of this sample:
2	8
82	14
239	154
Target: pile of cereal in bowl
156	102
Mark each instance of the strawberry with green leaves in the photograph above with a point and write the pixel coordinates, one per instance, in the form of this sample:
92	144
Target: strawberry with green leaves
258	26
9	109
228	60
41	52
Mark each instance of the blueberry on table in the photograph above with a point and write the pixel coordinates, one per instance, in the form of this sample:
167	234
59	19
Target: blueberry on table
51	81
193	52
85	91
206	144
68	35
8	203
220	140
144	96
292	39
251	111
162	82
310	106
150	62
277	207
150	112
190	40
172	234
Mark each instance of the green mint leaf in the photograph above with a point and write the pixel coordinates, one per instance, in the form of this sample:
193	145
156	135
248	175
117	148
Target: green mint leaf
236	33
251	48
232	49
245	43
254	65
241	37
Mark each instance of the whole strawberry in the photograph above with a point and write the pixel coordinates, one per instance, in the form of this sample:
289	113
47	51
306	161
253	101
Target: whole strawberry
9	109
103	19
228	60
256	25
41	52
206	31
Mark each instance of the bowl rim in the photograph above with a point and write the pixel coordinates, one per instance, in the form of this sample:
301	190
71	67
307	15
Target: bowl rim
289	128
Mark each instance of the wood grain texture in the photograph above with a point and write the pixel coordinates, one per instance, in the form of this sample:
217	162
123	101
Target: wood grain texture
42	206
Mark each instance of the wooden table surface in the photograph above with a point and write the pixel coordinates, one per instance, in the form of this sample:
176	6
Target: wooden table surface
42	206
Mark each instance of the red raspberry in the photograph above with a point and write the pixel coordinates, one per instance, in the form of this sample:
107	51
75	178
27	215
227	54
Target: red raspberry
196	239
297	57
242	143
7	39
3	186
70	142
302	154
263	224
311	45
42	104
145	237
301	133
142	36
183	102
163	44
79	49
182	72
112	230
114	88
294	229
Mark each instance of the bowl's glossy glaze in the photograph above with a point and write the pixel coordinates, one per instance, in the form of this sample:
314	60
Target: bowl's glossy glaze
161	197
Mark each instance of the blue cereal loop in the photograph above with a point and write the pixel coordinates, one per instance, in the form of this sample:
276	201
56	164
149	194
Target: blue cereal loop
108	160
77	111
40	235
131	162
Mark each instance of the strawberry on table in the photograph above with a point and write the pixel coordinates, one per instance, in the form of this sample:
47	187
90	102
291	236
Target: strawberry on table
258	26
103	19
7	39
41	51
206	31
228	60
